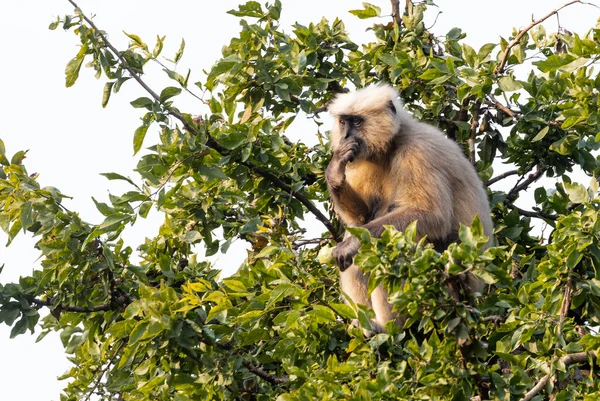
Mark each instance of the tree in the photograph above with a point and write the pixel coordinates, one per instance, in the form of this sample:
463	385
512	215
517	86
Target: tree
168	327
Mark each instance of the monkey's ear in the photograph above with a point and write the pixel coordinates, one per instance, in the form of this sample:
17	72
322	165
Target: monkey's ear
392	107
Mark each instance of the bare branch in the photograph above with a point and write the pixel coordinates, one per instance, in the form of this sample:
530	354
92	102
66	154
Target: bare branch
514	193
497	105
500	177
210	141
496	319
396	11
258	371
569	359
504	58
528	213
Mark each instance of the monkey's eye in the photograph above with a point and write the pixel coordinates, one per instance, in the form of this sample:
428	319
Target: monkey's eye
357	122
342	122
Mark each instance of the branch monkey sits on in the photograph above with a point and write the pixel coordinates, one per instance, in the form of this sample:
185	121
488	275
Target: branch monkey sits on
388	168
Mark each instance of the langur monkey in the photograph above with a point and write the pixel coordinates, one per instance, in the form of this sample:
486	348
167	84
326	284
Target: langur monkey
388	168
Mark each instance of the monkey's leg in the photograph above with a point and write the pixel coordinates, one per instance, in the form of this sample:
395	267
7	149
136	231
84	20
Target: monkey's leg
353	283
383	310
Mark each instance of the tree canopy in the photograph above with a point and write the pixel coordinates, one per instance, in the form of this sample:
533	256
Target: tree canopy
158	322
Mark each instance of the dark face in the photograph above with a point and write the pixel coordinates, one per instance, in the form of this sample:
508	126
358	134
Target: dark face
350	127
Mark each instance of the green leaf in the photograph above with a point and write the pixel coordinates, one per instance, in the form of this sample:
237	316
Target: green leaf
248	9
369	11
138	138
509	84
26	215
20	327
543	132
106	93
18	157
485	51
389	59
2	148
554	62
233	140
454	34
211	172
322	313
168	93
136	39
113	222
192	237
179	53
115	176
577	192
145	209
176	77
142	102
72	70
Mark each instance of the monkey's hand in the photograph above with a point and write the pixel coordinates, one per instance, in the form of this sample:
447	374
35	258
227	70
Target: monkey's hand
336	171
344	252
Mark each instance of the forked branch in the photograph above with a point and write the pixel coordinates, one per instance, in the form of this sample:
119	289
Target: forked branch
504	57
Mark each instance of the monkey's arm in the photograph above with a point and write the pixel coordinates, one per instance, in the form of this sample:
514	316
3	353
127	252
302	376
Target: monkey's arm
347	203
423	196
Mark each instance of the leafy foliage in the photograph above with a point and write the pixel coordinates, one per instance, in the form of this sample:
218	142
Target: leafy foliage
160	323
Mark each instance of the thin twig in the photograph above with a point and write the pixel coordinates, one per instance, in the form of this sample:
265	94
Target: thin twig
184	87
303	242
103	371
210	141
500	177
500	67
473	136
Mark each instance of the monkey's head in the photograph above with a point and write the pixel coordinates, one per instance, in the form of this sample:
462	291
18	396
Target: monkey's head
369	117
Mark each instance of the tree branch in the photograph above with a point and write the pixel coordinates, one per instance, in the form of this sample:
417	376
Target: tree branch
569	359
504	58
497	105
500	177
528	213
78	309
396	11
210	141
270	378
514	193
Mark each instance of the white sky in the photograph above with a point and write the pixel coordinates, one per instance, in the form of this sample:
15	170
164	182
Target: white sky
71	139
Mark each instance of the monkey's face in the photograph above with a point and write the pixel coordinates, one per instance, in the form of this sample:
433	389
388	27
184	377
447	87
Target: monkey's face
350	135
370	134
